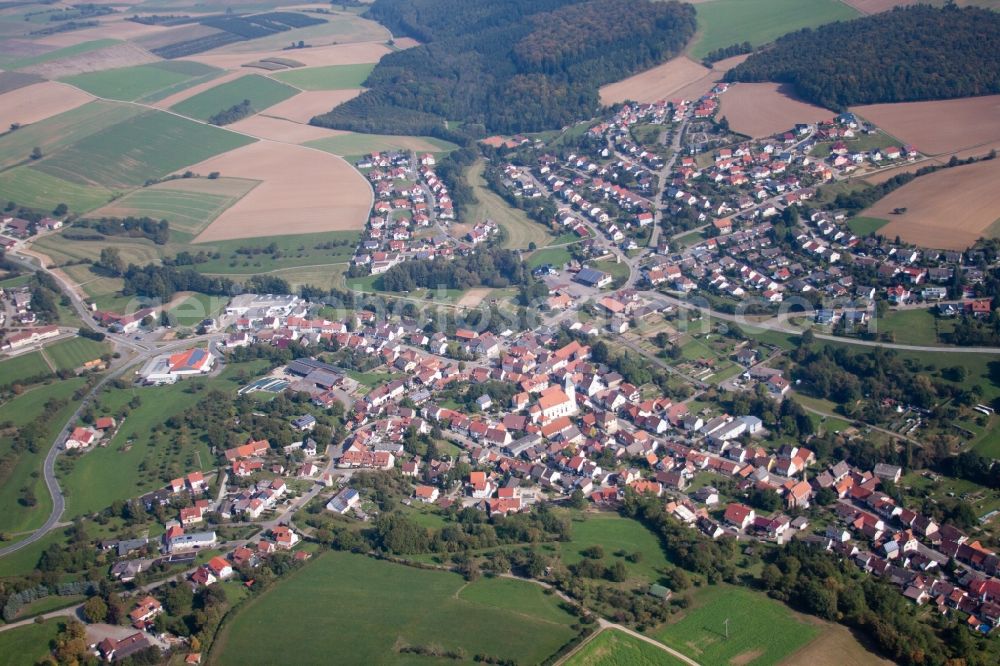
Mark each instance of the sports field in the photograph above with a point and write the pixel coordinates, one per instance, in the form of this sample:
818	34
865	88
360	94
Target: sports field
142	81
723	23
388	606
616	648
73	353
761	631
333	77
189	205
131	152
260	90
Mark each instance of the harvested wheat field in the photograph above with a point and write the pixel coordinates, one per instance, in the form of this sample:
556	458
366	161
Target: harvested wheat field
654	84
337	54
279	129
113	27
877	6
941	127
305	105
763	109
182	95
302	191
110	57
38	102
947	210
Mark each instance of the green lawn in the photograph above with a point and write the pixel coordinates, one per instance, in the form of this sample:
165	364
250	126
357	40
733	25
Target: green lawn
28	645
517	596
617	270
23	367
134	83
73	353
387	605
616	534
723	23
192	310
332	77
260	90
616	648
556	256
68	52
761	631
50	603
133	151
20	469
914	327
863	226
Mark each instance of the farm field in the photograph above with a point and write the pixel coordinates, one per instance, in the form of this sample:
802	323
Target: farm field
948	210
260	90
302	191
123	54
762	109
279	129
22	367
614	533
914	327
195	308
332	77
142	81
27	645
305	105
350	143
654	84
616	648
188	204
761	630
56	54
30	187
390	605
37	102
127	154
73	353
16	472
862	226
941	127
726	22
317	56
520	229
340	28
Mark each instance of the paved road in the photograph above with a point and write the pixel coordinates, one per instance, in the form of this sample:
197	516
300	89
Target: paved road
69	611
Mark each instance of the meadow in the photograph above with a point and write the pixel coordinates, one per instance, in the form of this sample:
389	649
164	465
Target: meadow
521	230
28	645
363	144
17	467
761	631
616	648
914	327
331	77
22	367
723	23
388	605
131	152
863	226
35	189
260	90
615	534
556	256
73	353
143	82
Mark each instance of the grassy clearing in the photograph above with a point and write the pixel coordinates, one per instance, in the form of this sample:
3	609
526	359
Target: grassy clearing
555	256
73	353
521	230
863	226
616	534
363	144
192	310
131	152
616	648
133	83
22	367
28	645
48	604
761	630
68	52
22	469
260	90
332	77
914	327
187	211
389	605
726	22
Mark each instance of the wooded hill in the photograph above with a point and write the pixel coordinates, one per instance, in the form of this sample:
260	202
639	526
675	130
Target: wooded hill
507	65
904	55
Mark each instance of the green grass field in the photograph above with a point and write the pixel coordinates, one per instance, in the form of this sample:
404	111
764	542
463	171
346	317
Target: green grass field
723	23
17	468
131	152
73	353
260	90
556	256
332	77
914	327
521	230
142	81
22	367
363	144
26	646
616	534
388	605
68	52
192	310
33	188
761	631
863	226
186	211
616	648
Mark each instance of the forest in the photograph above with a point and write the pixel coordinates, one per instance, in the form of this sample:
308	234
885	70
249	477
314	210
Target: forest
507	66
905	55
491	268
